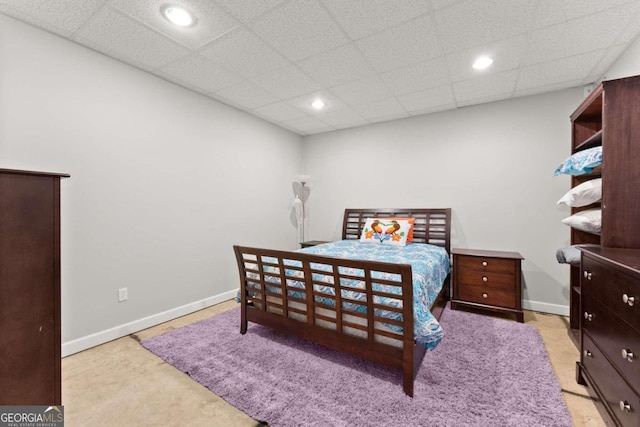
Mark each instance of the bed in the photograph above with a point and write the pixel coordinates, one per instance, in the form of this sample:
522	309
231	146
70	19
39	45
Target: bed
364	307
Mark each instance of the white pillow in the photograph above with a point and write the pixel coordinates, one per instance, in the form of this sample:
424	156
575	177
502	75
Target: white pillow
385	232
589	220
584	194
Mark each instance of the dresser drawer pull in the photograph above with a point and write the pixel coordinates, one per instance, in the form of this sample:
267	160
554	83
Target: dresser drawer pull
587	353
624	406
588	316
628	300
485	278
485	296
628	354
485	263
588	275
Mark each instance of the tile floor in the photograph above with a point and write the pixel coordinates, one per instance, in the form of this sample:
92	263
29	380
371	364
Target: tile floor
121	384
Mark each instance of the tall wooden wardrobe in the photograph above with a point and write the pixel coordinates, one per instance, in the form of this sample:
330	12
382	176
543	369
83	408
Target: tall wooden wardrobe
30	361
605	287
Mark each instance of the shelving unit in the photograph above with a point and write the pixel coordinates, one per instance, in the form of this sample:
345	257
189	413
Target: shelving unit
586	132
610	117
608	276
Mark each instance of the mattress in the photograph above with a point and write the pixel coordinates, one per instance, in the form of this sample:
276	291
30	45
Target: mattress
430	267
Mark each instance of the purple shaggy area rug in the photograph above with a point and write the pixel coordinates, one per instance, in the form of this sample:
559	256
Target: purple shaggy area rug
486	372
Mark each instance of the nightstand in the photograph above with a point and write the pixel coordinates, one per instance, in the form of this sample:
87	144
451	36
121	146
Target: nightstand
309	243
488	280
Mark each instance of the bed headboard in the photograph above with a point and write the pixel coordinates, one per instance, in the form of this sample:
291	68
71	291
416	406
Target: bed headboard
431	226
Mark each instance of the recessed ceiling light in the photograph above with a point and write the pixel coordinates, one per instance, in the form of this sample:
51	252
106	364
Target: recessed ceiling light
178	15
482	63
318	104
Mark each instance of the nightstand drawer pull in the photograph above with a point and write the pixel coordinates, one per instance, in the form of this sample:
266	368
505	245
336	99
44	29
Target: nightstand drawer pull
624	406
628	354
588	316
485	278
587	353
485	263
588	275
628	300
484	295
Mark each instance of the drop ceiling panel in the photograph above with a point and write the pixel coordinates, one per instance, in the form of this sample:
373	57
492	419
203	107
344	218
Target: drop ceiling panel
287	82
482	100
308	124
244	53
65	17
581	35
344	118
558	71
440	4
299	29
245	11
507	55
547	88
202	73
303	103
279	112
372	60
417	77
485	86
412	42
246	95
212	21
362	91
122	37
476	22
361	18
338	66
427	99
381	110
609	57
551	12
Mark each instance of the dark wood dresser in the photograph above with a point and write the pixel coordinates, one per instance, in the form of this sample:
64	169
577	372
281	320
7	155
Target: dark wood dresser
489	280
30	288
610	328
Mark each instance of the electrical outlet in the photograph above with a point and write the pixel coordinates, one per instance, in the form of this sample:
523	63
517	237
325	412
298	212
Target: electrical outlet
122	294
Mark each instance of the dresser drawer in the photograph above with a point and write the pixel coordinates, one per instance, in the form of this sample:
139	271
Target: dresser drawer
482	295
615	391
486	278
610	288
613	336
496	265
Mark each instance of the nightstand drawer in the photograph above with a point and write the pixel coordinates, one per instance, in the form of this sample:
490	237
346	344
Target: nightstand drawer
495	265
486	279
487	296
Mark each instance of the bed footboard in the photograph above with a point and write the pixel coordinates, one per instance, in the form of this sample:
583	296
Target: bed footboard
364	308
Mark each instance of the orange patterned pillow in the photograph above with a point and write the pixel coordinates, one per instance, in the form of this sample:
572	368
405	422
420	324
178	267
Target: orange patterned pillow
385	232
400	218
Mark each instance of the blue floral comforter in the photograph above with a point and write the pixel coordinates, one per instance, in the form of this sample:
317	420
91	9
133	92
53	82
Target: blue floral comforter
429	264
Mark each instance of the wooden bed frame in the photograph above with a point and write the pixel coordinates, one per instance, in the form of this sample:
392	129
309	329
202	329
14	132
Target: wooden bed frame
267	297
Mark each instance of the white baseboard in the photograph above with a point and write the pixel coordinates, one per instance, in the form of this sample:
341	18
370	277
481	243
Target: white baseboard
80	344
561	310
102	337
